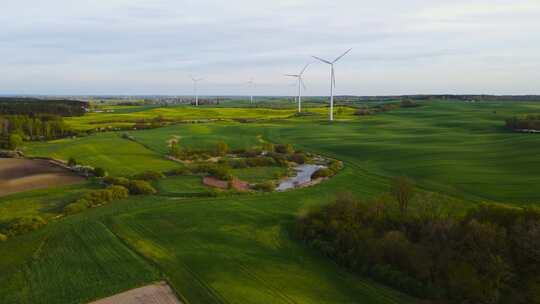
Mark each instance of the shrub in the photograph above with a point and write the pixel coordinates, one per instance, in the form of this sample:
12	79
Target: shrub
118	192
267	186
140	187
99	172
299	158
3	237
221	173
335	165
284	149
72	162
98	197
268	147
15	141
250	153
148	175
120	181
218	171
237	163
26	224
222	148
178	171
322	173
260	161
76	207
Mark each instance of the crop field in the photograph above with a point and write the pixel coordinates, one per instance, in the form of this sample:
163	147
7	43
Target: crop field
44	202
241	249
108	150
17	175
182	112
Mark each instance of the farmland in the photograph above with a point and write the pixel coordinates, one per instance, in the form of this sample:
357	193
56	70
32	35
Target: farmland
240	248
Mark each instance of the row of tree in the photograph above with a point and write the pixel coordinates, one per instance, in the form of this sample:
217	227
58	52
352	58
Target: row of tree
529	122
490	255
33	106
16	128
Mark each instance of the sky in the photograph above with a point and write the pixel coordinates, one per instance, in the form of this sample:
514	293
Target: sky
66	47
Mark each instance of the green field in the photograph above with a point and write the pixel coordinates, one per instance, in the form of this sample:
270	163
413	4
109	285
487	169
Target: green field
127	117
240	249
107	150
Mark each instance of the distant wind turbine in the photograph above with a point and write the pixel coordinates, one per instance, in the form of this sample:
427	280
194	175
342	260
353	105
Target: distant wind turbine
301	84
332	80
195	89
251	85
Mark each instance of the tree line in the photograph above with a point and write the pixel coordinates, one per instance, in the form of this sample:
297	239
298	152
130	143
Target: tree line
528	122
14	129
489	255
33	106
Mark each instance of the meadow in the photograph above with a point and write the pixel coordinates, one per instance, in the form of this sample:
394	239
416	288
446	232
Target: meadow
240	249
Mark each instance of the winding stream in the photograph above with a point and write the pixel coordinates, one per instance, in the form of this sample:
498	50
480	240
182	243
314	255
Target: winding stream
303	176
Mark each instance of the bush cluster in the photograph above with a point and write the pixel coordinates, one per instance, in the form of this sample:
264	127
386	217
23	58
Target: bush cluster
97	198
528	122
135	186
322	173
333	168
25	224
490	255
267	186
218	171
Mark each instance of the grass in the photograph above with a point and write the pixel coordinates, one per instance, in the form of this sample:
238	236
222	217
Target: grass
118	156
241	249
181	185
46	203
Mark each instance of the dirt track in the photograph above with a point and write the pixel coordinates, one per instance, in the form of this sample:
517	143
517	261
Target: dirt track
17	175
158	293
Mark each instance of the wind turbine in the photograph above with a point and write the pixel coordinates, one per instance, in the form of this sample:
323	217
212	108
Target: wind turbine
332	80
301	84
195	89
251	84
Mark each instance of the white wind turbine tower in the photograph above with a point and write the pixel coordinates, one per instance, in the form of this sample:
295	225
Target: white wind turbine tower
251	85
301	84
332	80
196	89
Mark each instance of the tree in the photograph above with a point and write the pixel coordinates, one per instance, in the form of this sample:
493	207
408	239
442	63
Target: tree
72	162
174	146
222	148
15	141
99	172
403	190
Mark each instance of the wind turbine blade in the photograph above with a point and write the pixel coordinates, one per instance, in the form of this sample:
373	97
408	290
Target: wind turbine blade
320	59
342	55
304	69
303	84
292	75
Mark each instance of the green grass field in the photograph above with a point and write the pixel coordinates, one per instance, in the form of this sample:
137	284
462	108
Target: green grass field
240	249
107	150
181	185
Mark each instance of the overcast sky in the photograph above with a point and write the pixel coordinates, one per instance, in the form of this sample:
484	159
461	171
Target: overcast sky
152	46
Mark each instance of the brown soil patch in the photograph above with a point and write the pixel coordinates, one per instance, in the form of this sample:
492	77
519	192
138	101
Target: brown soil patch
216	183
17	175
158	293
